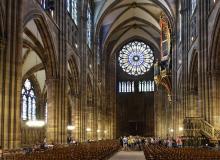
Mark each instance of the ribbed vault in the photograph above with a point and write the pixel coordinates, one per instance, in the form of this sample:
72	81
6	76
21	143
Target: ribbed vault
119	20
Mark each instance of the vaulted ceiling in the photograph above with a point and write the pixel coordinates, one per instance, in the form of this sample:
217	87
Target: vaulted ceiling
120	20
32	65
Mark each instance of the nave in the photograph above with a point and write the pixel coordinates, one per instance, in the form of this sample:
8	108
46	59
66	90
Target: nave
75	75
112	150
122	155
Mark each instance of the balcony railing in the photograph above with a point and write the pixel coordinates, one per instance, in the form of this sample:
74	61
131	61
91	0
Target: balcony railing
195	126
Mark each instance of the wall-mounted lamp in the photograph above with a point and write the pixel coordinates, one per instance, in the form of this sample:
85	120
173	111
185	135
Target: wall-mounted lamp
180	128
70	127
35	123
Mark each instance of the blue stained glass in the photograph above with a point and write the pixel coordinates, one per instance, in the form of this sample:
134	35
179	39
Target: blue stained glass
28	101
68	5
119	87
136	58
89	26
132	86
193	6
24	108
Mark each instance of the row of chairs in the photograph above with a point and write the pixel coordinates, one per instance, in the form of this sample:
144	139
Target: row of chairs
159	152
99	150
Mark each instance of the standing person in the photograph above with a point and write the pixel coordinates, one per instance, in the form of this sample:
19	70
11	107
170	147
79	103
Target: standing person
140	143
69	139
125	143
129	142
121	141
170	142
45	145
179	142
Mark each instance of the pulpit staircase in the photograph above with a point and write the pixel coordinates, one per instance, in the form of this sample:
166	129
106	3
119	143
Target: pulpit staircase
195	126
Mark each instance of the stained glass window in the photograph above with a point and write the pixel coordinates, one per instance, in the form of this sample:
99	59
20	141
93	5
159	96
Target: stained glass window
89	26
126	87
136	58
68	6
146	86
43	3
72	9
180	22
193	5
28	101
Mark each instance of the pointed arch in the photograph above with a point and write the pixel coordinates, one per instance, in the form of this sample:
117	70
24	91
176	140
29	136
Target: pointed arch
73	76
2	21
215	47
30	99
50	57
193	72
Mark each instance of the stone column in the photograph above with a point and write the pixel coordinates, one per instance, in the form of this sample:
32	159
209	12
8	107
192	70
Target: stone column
52	121
2	54
157	114
193	110
76	117
83	50
112	103
203	102
56	130
89	119
10	87
185	46
214	114
94	117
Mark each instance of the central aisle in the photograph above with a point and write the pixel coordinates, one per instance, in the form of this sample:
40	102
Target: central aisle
128	156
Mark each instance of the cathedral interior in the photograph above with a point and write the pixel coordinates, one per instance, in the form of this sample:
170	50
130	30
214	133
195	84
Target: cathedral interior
101	69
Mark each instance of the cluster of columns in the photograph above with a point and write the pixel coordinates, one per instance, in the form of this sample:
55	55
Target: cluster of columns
89	111
195	71
195	84
10	70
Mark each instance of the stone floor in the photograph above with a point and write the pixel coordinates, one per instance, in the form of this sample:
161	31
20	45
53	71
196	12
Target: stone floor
122	155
